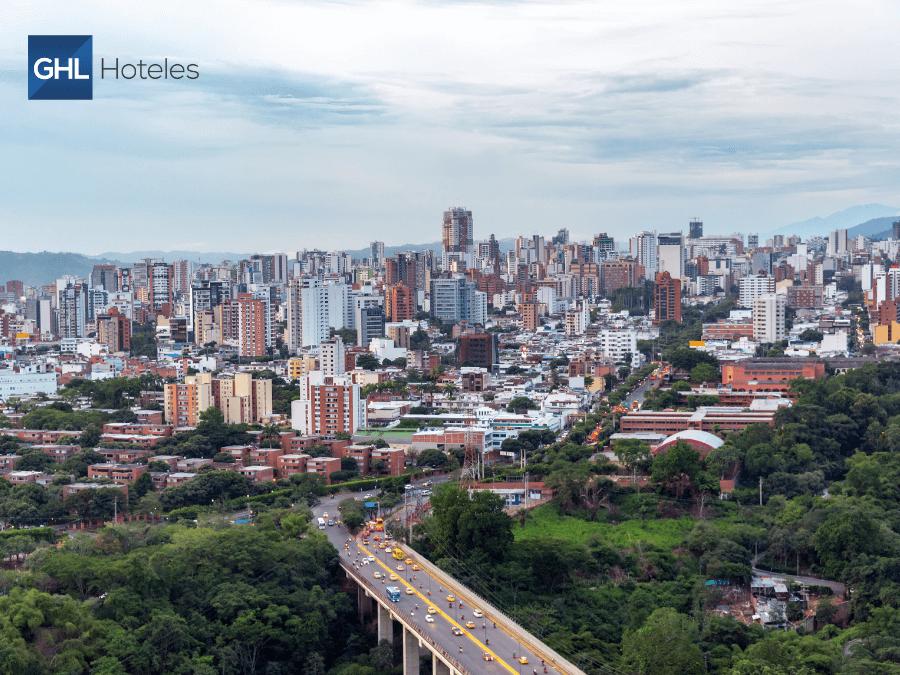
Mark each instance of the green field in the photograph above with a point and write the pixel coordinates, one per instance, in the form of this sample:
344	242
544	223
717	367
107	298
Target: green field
545	522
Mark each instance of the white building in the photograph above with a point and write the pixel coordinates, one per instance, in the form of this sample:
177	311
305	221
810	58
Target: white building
754	286
617	344
331	356
307	314
768	317
671	254
26	382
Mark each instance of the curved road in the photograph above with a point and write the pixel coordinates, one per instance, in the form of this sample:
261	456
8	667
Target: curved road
423	588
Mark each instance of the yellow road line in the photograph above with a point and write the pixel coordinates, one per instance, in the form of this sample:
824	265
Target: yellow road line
450	619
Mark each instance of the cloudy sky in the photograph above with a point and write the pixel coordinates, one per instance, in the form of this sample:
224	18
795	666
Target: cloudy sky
330	124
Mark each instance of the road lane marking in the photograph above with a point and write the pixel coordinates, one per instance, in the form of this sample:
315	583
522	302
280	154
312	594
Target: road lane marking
449	619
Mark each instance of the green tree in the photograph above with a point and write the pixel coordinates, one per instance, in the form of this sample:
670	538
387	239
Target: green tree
664	645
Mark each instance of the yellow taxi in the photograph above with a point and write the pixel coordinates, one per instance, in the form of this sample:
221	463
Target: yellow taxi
409	590
451	598
432	610
408	561
416	567
523	660
394	577
470	624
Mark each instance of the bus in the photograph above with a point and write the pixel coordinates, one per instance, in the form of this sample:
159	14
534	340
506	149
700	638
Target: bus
321	522
393	593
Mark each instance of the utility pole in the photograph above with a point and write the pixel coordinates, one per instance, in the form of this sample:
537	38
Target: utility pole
115	509
760	491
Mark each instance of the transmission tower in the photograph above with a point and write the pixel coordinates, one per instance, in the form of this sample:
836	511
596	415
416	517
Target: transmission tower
473	463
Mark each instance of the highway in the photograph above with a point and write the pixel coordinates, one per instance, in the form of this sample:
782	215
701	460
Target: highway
505	644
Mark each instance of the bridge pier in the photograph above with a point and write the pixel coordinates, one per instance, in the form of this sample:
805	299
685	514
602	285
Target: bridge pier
410	652
363	604
385	624
438	667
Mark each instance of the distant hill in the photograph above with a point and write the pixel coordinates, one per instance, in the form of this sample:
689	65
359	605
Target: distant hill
855	216
44	267
877	228
170	256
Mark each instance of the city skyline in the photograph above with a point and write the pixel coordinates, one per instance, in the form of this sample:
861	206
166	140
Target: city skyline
593	118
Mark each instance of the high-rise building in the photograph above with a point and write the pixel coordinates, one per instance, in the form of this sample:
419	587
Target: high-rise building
104	276
456	299
667	298
768	317
671	254
620	273
695	229
752	241
838	243
895	230
72	306
369	324
160	286
307	313
398	303
752	287
530	315
328	405
457	231
114	331
477	349
642	247
604	245
377	249
331	356
253	317
15	288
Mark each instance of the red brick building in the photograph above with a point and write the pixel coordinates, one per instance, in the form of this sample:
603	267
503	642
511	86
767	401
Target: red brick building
770	374
667	298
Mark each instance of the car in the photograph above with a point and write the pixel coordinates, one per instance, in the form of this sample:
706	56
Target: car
477	613
408	561
371	558
416	568
409	590
432	610
378	575
330	523
470	624
456	631
486	656
409	487
401	567
523	660
365	496
429	618
451	598
394	577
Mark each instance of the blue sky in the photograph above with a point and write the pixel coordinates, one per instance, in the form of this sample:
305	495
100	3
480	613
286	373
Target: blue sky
334	123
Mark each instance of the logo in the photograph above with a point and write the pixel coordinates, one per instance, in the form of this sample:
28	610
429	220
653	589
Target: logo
60	67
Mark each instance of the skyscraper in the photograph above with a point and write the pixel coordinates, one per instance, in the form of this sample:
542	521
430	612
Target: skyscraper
307	313
377	248
369	324
458	230
695	229
667	298
643	249
671	254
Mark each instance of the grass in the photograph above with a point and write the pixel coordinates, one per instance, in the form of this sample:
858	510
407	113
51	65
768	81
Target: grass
544	522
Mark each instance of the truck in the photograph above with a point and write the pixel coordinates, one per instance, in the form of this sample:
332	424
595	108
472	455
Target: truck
397	554
321	523
393	593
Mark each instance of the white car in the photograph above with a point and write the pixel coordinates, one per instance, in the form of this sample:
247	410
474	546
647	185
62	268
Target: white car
429	618
378	575
371	558
477	613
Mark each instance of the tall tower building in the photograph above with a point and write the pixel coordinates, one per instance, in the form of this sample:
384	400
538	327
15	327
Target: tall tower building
642	247
377	248
331	356
457	231
695	229
768	317
667	298
671	254
307	313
